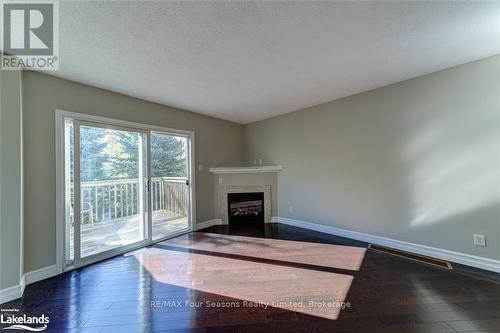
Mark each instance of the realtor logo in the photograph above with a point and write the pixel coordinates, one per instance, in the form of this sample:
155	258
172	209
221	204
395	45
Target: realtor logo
11	319
30	35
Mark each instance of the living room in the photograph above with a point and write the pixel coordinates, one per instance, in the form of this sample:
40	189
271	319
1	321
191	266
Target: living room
250	166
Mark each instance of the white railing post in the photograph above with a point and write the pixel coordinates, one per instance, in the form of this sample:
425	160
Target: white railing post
114	200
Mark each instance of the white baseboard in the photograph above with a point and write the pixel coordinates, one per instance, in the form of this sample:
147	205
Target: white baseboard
206	224
40	274
457	257
23	284
11	293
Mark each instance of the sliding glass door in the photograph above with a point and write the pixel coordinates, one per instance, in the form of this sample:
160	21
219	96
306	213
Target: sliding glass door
169	183
124	187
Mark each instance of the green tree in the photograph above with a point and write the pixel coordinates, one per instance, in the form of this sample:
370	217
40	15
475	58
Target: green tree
168	156
110	154
91	161
120	155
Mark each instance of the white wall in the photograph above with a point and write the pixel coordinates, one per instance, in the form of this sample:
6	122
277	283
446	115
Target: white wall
11	180
417	161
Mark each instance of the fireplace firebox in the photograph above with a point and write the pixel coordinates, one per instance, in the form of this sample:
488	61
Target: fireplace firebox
244	208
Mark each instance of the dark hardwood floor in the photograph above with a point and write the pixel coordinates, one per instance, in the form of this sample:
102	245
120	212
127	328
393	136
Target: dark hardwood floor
165	288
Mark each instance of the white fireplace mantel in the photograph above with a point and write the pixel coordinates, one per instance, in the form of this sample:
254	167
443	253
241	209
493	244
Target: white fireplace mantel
252	169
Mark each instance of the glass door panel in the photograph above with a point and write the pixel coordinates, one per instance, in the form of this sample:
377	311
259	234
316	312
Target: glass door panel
111	179
170	184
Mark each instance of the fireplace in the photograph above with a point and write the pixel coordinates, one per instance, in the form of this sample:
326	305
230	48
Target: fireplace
245	207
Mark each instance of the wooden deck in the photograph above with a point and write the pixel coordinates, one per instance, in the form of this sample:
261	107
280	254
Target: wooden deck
113	233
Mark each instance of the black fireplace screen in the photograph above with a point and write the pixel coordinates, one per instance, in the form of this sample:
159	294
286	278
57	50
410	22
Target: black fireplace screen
246	207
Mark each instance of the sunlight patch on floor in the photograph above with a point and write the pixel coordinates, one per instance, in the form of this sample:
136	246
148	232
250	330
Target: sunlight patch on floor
319	254
303	290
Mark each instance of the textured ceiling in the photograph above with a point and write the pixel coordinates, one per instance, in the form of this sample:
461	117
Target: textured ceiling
246	61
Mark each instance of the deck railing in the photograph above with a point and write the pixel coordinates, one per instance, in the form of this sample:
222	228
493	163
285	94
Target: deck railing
106	200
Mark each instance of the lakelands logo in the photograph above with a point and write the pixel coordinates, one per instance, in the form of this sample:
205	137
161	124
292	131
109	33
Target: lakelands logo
30	38
23	322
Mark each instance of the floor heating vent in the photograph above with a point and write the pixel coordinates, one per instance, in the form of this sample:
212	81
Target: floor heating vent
412	256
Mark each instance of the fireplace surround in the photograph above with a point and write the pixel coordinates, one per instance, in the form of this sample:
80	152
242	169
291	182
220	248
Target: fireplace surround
226	190
241	180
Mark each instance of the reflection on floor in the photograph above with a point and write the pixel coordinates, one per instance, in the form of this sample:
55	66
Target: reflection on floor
188	284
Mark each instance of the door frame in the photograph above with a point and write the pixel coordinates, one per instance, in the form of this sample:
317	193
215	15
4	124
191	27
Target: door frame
60	115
